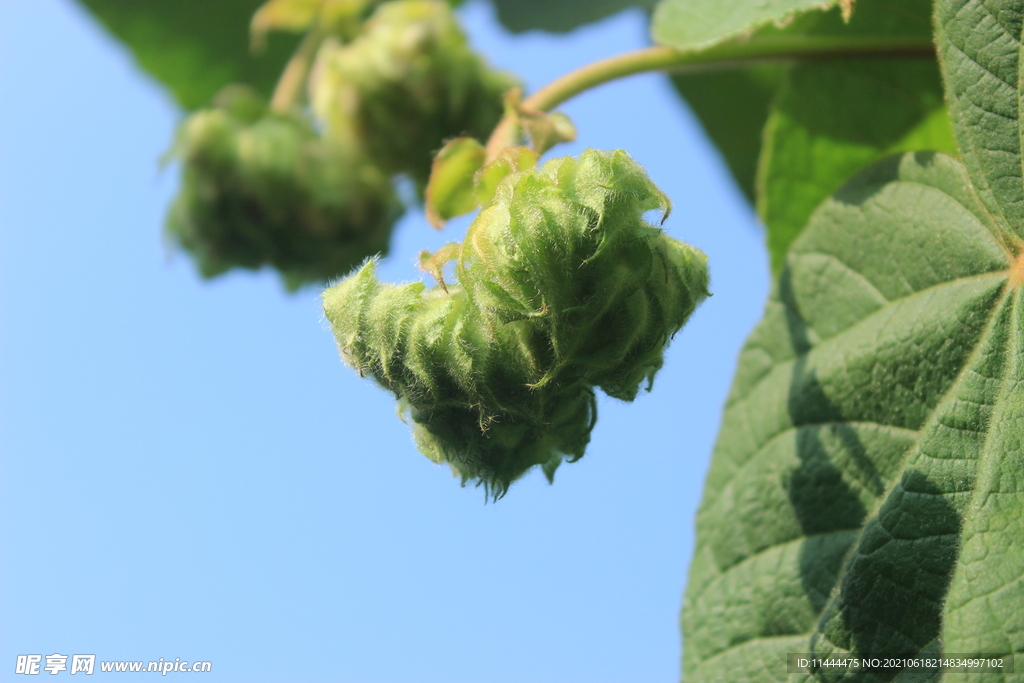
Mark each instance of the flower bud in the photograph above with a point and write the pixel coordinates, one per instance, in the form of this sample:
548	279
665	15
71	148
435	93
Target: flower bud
406	85
567	248
562	287
261	188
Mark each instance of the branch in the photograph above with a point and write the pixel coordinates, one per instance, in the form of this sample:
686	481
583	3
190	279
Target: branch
289	86
728	55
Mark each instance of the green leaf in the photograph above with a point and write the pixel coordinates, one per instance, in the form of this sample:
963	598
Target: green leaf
831	119
450	191
193	47
828	119
559	16
511	160
979	46
877	409
699	24
733	107
547	130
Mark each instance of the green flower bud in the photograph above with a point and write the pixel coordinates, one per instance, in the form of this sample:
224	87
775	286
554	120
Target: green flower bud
406	85
563	287
260	188
567	248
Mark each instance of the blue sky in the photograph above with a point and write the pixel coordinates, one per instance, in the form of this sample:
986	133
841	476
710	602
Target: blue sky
188	471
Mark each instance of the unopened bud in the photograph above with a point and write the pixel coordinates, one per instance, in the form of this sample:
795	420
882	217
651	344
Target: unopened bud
260	188
562	287
406	85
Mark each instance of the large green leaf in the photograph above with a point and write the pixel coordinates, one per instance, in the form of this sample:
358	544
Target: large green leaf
832	118
195	47
877	411
979	44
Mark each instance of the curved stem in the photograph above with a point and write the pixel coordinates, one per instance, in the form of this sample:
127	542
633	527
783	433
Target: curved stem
658	58
289	86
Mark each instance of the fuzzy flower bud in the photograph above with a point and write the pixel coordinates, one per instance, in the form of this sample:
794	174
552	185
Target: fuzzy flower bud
406	85
563	288
261	188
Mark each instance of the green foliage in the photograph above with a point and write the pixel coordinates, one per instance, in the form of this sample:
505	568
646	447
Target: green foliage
451	190
462	180
733	107
409	82
196	47
498	371
868	476
872	407
487	179
559	15
830	119
260	188
809	126
826	125
979	43
194	57
690	25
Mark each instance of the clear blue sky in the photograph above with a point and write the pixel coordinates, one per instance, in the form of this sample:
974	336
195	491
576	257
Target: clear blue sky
188	471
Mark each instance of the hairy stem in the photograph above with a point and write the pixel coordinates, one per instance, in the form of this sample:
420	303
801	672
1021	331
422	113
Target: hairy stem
289	86
659	58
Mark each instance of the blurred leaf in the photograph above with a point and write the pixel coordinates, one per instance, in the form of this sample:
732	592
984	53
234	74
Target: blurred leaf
827	119
733	107
195	48
547	130
832	118
512	159
450	191
867	486
698	24
559	16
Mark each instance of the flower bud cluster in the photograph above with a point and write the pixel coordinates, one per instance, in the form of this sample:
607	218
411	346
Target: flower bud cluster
313	196
563	287
407	84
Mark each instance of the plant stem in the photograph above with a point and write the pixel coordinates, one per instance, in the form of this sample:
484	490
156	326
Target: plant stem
733	54
289	86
